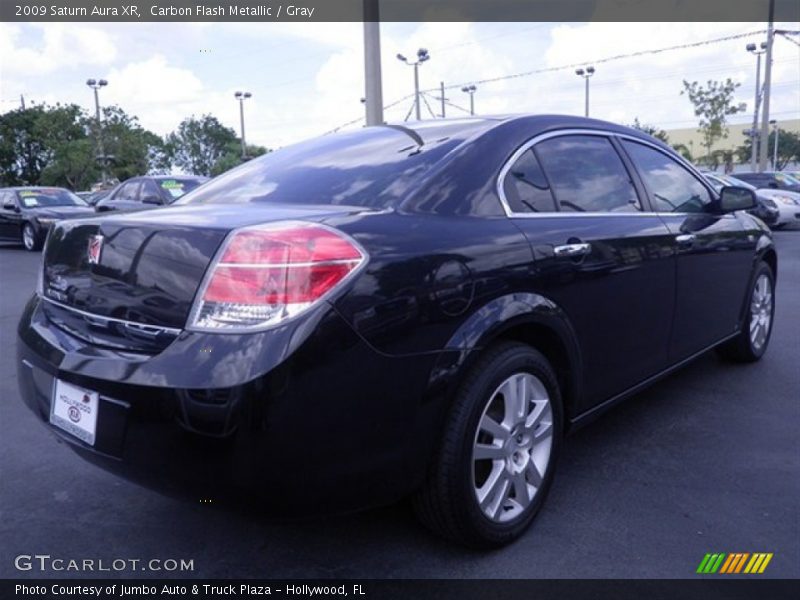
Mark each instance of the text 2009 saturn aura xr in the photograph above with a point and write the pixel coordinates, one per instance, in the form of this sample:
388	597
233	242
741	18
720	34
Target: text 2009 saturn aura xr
396	311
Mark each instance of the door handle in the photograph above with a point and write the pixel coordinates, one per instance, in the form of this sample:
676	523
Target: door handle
685	239
572	250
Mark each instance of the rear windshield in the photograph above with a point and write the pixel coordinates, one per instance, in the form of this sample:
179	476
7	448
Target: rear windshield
49	197
371	167
177	187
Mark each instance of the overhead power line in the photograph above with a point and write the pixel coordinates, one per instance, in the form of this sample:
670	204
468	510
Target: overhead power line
607	59
570	66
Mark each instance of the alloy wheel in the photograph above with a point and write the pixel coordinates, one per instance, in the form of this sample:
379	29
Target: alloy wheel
760	311
28	237
512	447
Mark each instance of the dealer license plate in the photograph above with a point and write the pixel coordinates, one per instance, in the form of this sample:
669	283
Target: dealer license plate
74	410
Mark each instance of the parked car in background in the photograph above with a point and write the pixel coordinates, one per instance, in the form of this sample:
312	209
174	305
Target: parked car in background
84	195
99	195
142	193
770	179
768	209
27	213
421	309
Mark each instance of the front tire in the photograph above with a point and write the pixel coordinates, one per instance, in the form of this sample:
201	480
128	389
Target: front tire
496	460
30	240
753	339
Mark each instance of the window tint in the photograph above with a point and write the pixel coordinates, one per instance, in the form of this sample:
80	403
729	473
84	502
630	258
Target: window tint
587	174
129	192
526	188
672	187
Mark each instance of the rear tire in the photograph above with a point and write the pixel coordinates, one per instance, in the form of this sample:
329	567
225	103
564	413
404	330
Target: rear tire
30	240
753	339
496	460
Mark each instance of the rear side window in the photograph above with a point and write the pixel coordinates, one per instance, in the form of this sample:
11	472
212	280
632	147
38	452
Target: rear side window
587	174
525	186
671	186
128	191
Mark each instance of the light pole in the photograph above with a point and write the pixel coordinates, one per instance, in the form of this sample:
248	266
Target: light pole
470	89
241	97
588	72
422	56
96	84
753	49
774	124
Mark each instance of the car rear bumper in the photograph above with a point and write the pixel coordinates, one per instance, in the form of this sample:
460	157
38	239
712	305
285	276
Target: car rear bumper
332	425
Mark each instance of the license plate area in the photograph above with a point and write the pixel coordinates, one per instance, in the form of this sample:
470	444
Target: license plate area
74	409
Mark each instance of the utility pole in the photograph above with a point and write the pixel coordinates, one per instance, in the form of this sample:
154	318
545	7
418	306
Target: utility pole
422	56
373	92
96	85
441	89
22	101
241	97
586	74
762	153
754	133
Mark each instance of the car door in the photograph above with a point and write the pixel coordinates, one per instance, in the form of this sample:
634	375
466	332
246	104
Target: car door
714	251
10	218
600	254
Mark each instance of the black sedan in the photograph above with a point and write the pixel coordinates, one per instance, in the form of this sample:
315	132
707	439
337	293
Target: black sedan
26	213
771	179
395	311
141	193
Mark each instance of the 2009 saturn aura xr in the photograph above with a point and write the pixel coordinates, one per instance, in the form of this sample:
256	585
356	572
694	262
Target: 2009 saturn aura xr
396	311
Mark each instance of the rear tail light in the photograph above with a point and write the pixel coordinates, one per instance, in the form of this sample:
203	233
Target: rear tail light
267	274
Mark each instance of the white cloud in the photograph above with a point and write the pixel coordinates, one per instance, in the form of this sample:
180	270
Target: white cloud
66	45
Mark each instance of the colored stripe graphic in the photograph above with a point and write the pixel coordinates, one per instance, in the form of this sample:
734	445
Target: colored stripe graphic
710	563
734	563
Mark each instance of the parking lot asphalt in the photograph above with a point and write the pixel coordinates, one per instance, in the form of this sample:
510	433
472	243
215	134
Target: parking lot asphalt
707	460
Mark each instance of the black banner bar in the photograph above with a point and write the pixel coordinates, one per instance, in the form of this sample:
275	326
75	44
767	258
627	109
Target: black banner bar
395	10
702	588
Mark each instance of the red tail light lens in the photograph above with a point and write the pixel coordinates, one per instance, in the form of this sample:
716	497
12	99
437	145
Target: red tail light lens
268	274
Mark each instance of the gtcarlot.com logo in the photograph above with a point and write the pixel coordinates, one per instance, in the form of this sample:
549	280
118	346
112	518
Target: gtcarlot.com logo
45	562
736	562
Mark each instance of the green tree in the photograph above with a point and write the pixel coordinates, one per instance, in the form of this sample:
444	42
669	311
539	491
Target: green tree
134	149
29	138
684	151
713	104
650	130
199	143
233	157
788	148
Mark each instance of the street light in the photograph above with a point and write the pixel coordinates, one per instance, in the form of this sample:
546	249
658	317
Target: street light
470	89
96	84
422	56
753	49
241	97
588	72
774	124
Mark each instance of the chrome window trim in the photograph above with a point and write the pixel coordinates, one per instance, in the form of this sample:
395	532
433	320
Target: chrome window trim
598	132
132	324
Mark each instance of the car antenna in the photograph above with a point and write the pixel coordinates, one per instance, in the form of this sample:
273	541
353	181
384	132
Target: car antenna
409	132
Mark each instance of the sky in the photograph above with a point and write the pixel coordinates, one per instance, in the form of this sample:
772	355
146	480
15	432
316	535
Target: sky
308	78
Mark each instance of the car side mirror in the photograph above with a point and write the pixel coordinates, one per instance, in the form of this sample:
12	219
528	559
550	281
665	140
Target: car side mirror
733	198
9	205
152	200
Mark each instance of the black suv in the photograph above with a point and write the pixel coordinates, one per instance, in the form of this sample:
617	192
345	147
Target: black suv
394	311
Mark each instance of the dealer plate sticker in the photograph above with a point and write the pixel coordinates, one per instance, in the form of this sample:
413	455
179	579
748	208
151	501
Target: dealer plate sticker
74	410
